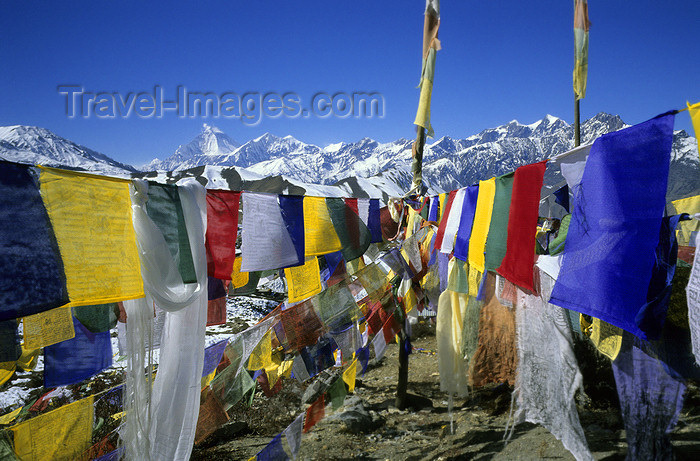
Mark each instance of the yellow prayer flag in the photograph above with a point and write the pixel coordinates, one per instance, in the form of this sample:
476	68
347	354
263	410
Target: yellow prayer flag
274	373
694	111
443	202
238	279
207	379
605	337
304	281
482	220
474	281
47	328
7	369
350	374
27	361
11	416
91	217
684	230
355	265
262	354
319	234
581	27
61	434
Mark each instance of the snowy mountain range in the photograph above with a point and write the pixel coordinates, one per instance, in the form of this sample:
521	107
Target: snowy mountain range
363	168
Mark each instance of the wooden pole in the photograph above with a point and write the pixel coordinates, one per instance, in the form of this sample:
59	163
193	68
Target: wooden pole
577	123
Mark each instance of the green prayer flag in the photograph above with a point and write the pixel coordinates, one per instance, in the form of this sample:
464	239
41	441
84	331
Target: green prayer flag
337	393
165	209
354	235
99	318
496	240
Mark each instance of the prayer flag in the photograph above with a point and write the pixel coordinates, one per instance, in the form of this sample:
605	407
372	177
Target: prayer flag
7	369
352	232
379	344
222	231
211	416
350	374
33	279
482	219
60	434
266	242
496	241
212	357
315	413
581	27
433	210
519	259
92	219
562	196
687	229
614	230
431	45
47	328
293	435
97	319
77	359
319	232
301	325
443	221
273	451
239	279
466	222
452	221
303	281
337	393
216	301
165	210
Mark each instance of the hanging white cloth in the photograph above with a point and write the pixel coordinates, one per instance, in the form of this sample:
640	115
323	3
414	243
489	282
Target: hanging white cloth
164	428
548	375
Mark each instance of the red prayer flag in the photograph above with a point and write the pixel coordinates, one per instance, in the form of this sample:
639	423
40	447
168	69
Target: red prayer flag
443	221
522	225
222	230
315	413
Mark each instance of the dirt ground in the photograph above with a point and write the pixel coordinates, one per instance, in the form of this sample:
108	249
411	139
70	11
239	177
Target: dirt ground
478	421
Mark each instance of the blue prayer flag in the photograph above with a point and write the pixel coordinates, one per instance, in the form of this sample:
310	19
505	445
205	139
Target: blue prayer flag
614	231
464	232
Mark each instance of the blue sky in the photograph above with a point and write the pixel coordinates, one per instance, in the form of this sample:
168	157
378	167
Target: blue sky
501	60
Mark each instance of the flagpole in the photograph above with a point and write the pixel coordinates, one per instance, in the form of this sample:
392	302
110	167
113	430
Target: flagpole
577	122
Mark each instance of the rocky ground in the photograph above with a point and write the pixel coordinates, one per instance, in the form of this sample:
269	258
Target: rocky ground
368	426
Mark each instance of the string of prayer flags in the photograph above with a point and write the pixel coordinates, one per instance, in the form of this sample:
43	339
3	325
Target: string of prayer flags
92	220
273	451
605	265
303	281
293	435
496	241
319	233
222	231
350	375
77	359
10	348
482	220
266	241
466	222
165	210
63	433
315	413
522	225
33	279
581	28
47	328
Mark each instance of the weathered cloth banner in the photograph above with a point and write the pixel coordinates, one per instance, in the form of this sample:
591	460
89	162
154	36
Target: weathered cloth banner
33	280
266	242
614	230
222	230
522	225
91	217
61	434
650	401
75	360
548	375
496	241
